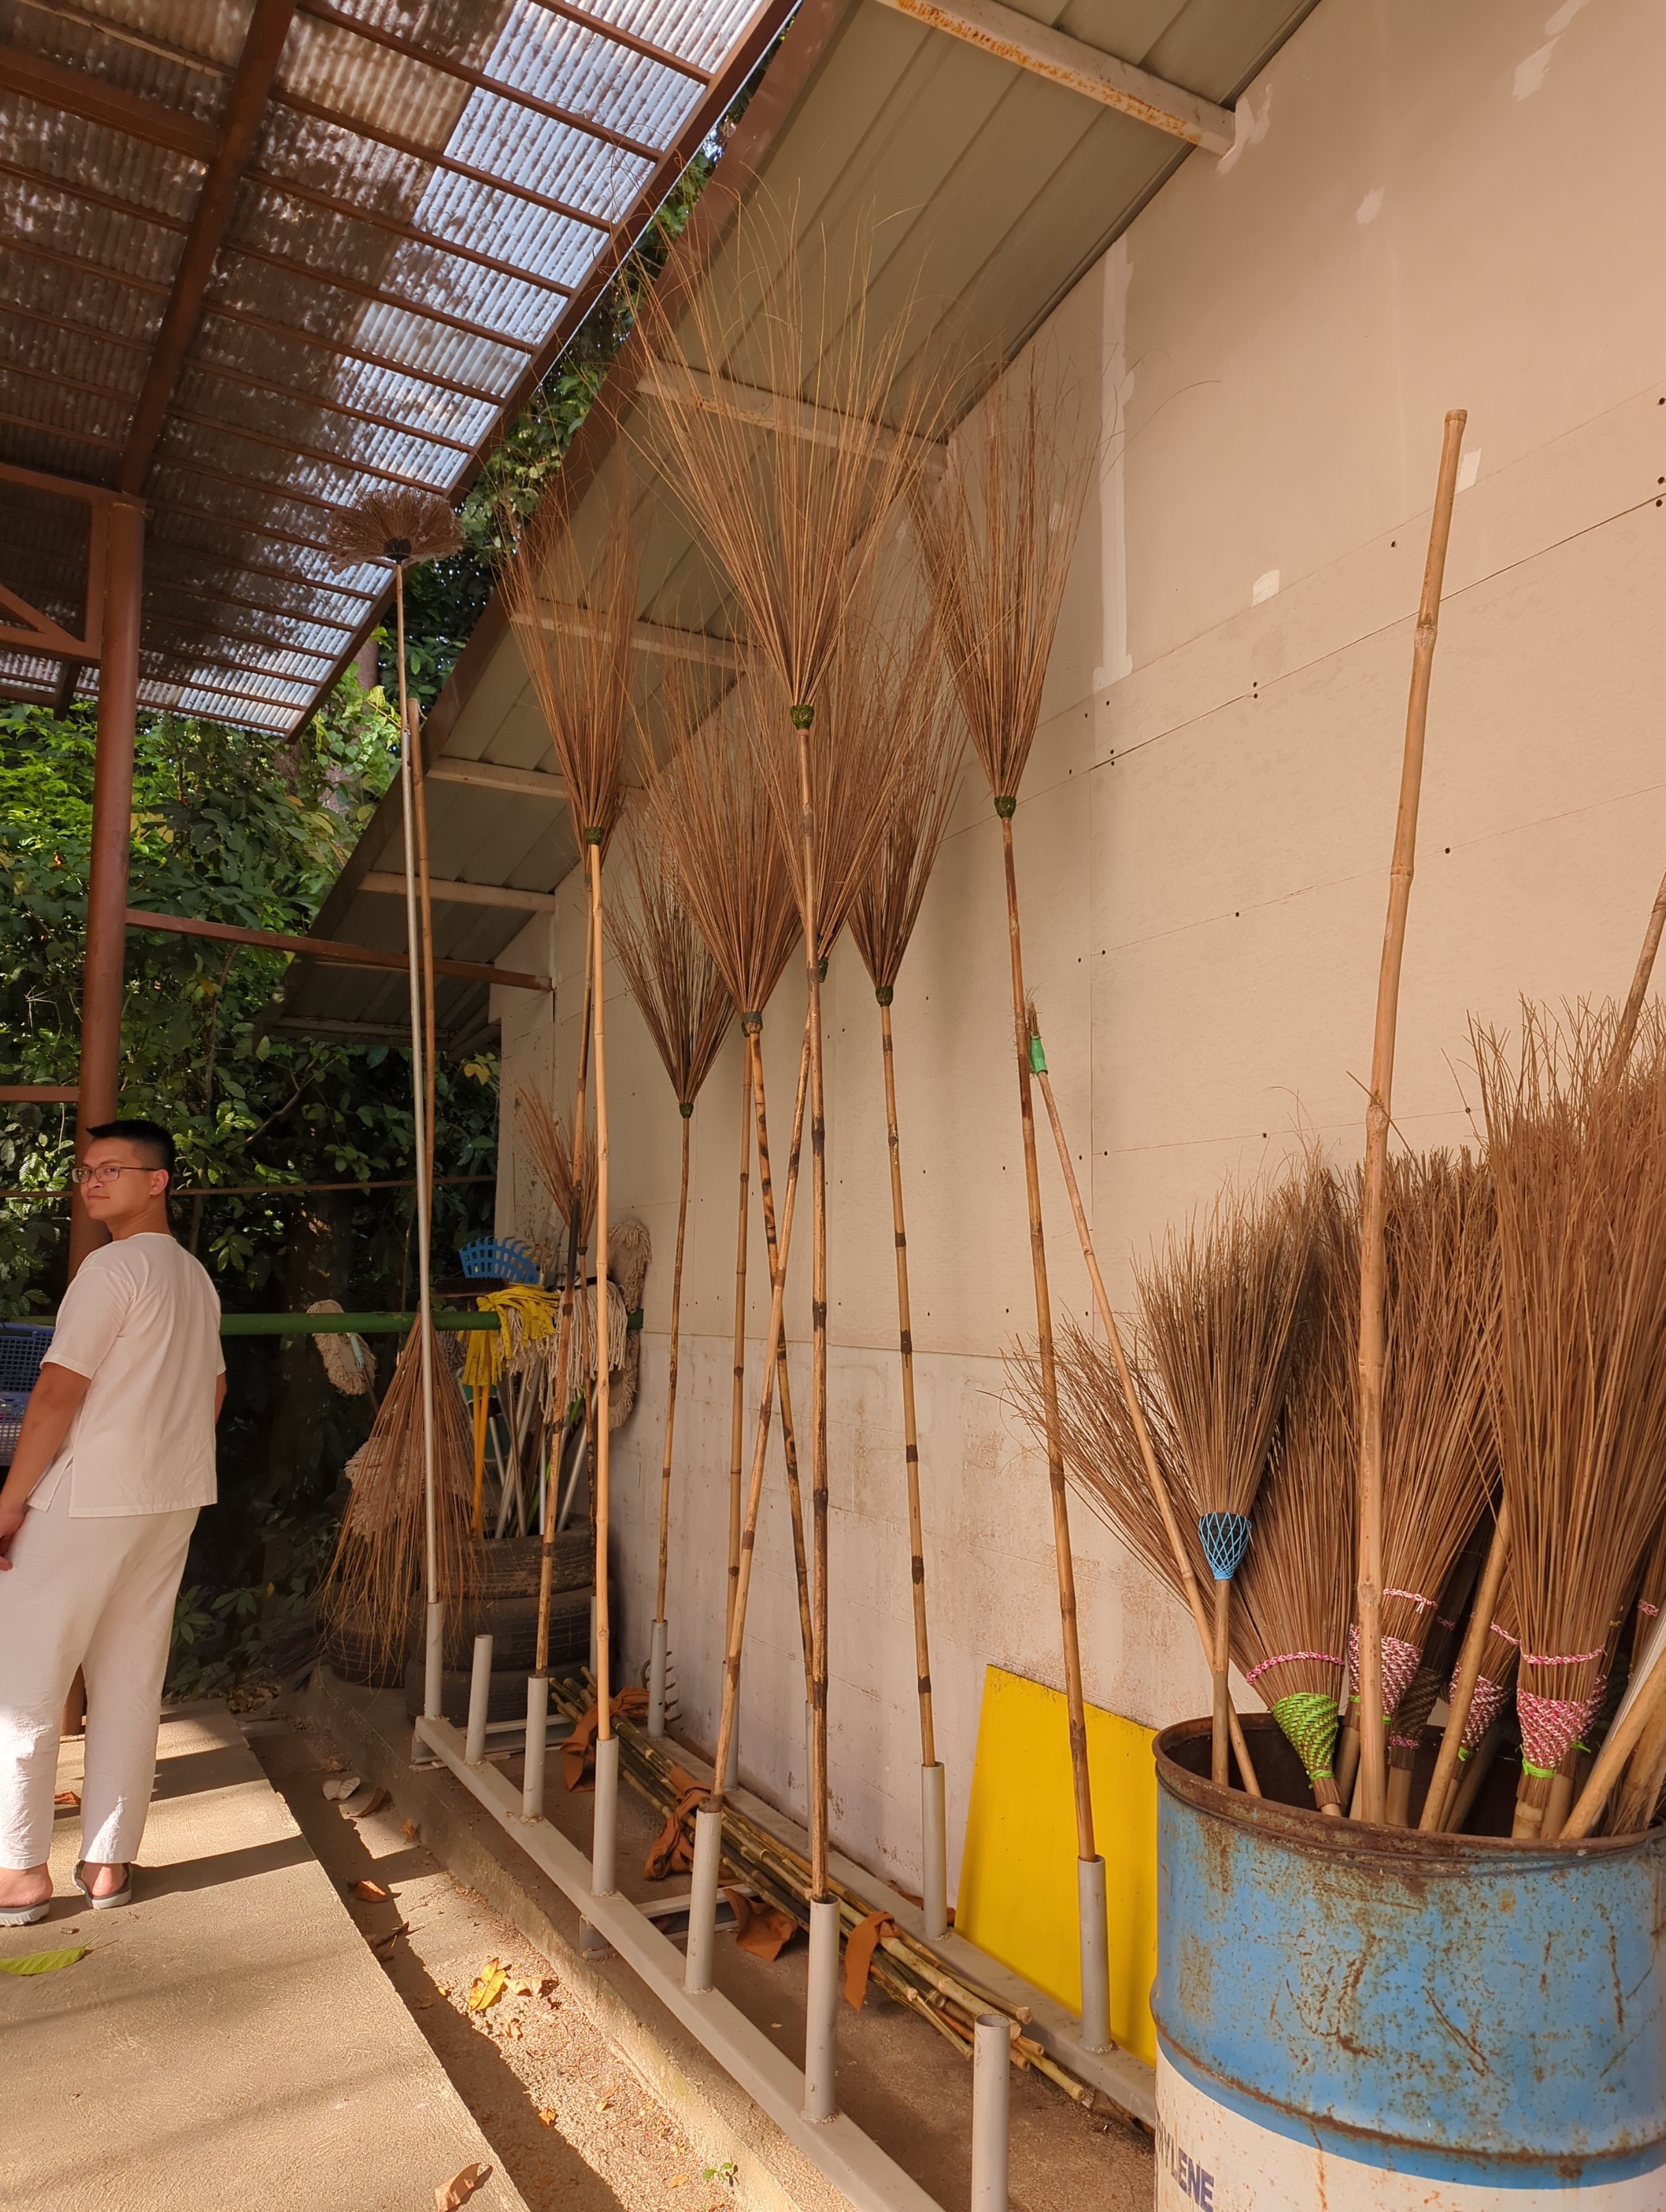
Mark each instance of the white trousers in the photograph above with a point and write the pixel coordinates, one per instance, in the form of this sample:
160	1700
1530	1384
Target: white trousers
96	1593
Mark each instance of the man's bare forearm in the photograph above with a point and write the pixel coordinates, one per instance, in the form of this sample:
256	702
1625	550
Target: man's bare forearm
54	1404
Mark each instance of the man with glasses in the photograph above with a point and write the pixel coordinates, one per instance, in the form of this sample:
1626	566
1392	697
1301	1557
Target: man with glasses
114	1460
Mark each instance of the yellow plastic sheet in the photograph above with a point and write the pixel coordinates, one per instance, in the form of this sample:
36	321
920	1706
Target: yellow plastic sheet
1017	1878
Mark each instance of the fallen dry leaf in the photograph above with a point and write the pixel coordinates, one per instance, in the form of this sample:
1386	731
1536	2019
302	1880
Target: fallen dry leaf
371	1893
382	1948
458	2191
513	2030
359	1807
341	1785
489	1984
412	1833
547	2115
523	1986
677	2181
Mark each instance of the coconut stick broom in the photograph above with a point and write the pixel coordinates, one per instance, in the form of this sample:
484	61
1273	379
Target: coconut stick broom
1220	1305
792	518
996	540
574	614
410	528
1440	1309
677	987
1577	1149
710	816
1186	1583
931	742
1372	1351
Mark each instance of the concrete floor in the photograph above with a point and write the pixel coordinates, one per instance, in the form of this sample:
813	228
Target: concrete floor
901	2083
228	2039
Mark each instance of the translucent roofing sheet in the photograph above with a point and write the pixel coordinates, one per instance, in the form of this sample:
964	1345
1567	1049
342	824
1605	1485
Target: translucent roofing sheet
430	197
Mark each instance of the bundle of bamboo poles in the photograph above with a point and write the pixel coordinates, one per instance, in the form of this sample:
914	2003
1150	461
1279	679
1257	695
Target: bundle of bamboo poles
906	1969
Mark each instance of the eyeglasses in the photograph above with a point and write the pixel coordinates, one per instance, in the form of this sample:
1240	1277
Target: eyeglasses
105	1174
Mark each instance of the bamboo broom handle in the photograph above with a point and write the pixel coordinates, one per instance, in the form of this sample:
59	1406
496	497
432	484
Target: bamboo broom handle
736	1635
604	1389
789	1446
738	1389
685	1109
477	1518
1622	1740
910	1433
803	714
1063	1561
1646	962
1159	1489
570	1292
1373	1320
1468	1673
418	1103
425	909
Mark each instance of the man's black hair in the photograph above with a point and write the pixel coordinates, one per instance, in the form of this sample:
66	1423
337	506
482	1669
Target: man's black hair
149	1139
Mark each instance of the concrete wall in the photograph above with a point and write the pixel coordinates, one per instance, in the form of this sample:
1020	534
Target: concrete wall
1429	207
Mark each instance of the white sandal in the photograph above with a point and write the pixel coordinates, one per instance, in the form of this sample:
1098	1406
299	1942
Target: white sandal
24	1915
122	1896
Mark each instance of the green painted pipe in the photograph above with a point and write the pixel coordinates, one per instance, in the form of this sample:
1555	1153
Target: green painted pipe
343	1324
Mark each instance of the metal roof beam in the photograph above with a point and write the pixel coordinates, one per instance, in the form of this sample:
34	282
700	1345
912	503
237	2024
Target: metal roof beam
406	233
334	280
342	351
1043	51
226	373
73	92
246	104
458	894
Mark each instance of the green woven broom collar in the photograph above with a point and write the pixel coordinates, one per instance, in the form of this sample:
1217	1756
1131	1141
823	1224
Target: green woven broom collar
821	969
801	716
1006	808
1311	1721
885	994
594	836
751	1024
685	1108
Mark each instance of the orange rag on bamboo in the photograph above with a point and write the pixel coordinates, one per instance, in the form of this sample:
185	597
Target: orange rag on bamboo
865	1940
579	1752
672	1849
763	1929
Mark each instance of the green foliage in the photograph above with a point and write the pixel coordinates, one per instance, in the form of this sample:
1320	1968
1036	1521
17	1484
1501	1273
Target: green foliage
229	827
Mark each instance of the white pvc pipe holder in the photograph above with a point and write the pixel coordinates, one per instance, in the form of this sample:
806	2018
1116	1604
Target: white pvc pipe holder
605	1832
433	1660
992	2077
480	1698
1095	1954
702	1901
934	1852
656	1678
821	2014
538	1720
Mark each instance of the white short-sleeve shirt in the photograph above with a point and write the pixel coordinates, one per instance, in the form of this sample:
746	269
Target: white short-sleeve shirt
141	1322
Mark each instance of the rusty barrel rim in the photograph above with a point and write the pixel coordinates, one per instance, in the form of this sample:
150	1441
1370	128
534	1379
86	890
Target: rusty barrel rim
1307	1827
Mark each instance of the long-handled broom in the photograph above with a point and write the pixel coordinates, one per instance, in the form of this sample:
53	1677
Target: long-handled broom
1576	1150
1437	1464
677	987
931	744
790	511
1372	1290
575	613
996	540
710	816
410	528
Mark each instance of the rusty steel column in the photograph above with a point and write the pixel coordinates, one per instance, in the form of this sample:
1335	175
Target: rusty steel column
104	972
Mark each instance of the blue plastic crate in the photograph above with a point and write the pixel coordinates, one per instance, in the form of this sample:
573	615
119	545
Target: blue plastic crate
505	1257
22	1348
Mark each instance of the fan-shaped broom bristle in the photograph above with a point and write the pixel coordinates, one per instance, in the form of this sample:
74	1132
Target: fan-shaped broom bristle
669	966
551	1150
408	527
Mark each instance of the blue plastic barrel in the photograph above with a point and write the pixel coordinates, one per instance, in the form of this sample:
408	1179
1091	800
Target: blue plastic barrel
1352	2017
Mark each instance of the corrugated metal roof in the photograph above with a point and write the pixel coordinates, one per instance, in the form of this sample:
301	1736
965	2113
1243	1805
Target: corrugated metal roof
435	191
987	187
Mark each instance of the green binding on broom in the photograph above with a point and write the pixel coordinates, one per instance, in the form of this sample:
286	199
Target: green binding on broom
1311	1721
